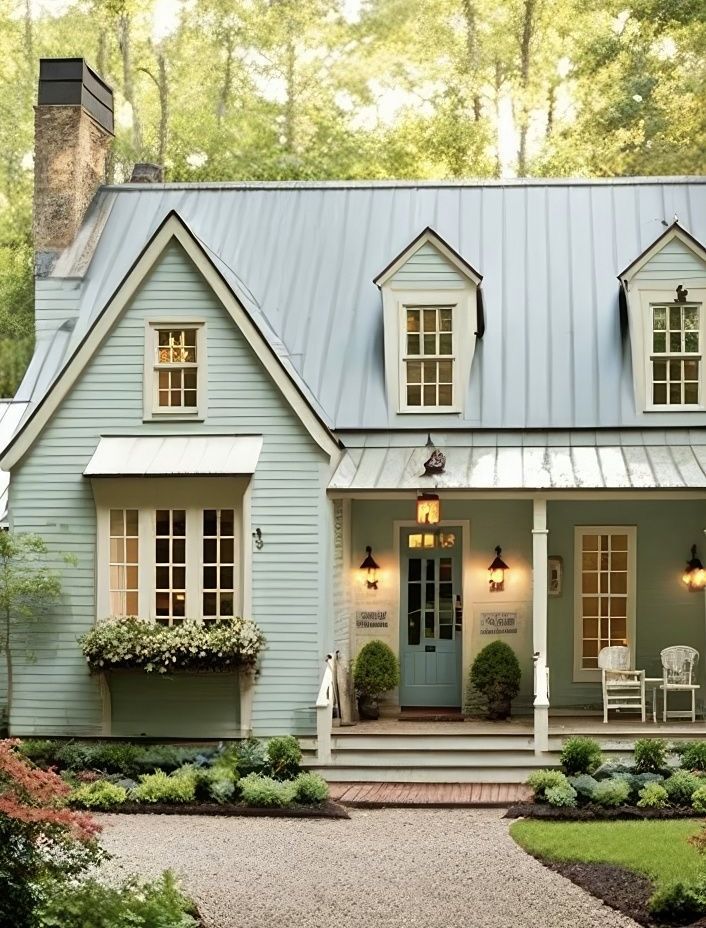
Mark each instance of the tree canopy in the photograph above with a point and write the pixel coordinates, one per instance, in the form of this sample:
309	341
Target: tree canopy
355	89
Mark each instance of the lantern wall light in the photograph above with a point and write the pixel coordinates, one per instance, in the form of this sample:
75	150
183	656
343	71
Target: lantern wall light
496	572
428	509
371	568
694	576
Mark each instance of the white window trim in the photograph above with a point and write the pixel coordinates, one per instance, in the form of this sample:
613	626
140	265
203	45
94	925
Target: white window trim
648	300
149	494
462	303
581	675
152	411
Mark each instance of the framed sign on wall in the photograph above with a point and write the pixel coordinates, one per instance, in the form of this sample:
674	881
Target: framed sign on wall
555	568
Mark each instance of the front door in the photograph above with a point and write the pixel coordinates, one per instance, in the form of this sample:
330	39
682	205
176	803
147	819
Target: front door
430	617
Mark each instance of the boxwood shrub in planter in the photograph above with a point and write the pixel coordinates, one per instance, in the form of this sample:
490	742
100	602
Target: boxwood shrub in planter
496	674
376	670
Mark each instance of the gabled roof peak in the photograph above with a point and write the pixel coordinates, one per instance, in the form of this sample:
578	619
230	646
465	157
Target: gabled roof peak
673	230
431	236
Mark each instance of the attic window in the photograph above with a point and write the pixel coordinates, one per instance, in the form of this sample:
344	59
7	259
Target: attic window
175	367
429	362
675	354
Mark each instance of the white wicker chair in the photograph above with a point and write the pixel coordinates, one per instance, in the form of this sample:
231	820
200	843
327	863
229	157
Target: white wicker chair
678	674
623	686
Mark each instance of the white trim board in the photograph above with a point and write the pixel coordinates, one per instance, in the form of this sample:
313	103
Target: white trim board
173	228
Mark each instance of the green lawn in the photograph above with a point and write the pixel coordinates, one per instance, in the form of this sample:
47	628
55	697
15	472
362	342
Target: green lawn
659	849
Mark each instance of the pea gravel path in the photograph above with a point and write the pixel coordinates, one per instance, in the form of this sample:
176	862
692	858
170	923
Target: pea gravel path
389	868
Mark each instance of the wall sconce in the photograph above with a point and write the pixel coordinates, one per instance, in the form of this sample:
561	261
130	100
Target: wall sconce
428	509
497	572
371	566
694	575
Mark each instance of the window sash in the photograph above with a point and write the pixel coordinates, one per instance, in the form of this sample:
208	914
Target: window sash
428	357
124	560
675	371
175	384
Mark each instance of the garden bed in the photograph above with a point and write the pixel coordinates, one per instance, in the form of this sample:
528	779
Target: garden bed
592	812
326	809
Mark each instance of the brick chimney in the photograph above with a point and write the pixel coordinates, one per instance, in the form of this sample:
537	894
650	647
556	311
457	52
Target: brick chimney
73	129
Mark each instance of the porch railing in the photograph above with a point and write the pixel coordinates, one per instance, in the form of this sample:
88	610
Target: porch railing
324	712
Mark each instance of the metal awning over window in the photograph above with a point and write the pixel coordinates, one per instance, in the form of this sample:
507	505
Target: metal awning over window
525	467
175	456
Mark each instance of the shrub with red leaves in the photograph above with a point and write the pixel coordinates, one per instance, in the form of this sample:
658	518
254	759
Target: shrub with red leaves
40	838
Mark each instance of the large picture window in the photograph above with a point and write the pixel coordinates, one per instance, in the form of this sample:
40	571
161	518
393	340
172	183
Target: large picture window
605	593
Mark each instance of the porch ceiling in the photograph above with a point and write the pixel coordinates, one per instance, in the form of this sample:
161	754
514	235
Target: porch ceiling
526	467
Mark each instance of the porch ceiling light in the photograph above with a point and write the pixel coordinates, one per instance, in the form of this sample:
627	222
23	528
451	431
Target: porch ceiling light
428	509
371	568
694	575
496	572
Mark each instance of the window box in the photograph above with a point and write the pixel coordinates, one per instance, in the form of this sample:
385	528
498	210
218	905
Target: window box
128	642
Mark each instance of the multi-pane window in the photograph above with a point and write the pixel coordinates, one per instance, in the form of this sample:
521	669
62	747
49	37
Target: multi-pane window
176	369
170	566
675	354
218	563
428	360
124	560
604	592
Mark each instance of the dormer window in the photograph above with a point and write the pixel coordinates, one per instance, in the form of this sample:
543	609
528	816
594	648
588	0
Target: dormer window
429	361
432	320
174	370
676	354
664	292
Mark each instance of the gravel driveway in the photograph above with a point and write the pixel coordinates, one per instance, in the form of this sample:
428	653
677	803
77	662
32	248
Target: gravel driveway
390	868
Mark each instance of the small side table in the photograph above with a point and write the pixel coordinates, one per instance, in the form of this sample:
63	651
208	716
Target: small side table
654	684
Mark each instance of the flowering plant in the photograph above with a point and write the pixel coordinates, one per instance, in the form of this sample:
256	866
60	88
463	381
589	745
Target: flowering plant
129	642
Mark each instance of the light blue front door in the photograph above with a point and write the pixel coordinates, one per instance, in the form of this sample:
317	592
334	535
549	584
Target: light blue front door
430	617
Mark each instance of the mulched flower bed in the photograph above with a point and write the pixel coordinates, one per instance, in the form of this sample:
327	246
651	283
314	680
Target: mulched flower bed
618	887
592	812
326	809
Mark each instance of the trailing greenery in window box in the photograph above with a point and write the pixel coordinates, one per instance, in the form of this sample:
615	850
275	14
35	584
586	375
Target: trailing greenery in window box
134	643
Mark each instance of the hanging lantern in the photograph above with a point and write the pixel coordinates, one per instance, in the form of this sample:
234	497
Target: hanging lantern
694	576
496	572
371	568
428	509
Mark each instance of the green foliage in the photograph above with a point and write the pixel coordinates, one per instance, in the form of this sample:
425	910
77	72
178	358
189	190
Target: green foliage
650	755
698	799
90	904
250	756
222	786
680	903
310	789
542	780
563	795
100	795
613	792
580	755
130	642
653	796
681	786
584	785
693	755
258	790
123	758
376	669
496	674
284	757
161	787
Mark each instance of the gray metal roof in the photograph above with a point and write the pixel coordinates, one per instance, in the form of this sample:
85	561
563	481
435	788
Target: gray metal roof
302	258
530	461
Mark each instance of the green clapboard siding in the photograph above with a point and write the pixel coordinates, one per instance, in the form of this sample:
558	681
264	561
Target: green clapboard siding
180	706
675	260
55	694
428	269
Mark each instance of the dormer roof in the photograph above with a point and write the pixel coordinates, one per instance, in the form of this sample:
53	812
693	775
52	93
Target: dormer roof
428	236
673	231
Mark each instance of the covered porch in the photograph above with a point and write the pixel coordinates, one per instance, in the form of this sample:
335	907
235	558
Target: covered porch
595	539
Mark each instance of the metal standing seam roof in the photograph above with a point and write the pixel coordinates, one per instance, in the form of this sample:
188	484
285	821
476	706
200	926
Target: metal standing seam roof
302	258
534	464
175	455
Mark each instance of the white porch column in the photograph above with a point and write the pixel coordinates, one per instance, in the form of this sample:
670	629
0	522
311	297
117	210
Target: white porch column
539	625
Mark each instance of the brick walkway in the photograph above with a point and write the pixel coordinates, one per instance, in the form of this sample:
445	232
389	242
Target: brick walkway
433	795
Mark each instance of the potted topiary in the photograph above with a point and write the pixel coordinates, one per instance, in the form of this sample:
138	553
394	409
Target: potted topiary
376	670
496	676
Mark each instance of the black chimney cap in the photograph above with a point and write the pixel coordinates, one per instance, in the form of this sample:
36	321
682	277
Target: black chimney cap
71	82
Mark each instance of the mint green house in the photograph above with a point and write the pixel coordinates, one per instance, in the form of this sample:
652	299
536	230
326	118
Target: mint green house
239	388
